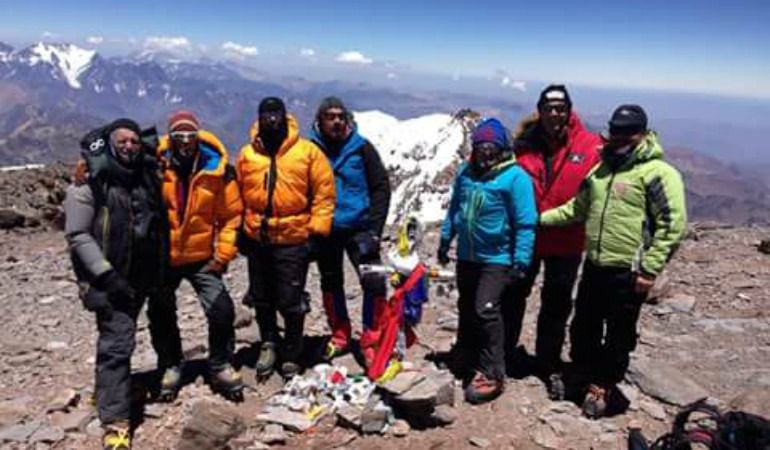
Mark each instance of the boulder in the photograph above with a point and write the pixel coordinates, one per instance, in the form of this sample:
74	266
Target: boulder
210	426
663	382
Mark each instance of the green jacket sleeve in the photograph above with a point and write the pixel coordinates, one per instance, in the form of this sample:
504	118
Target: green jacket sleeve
575	210
666	204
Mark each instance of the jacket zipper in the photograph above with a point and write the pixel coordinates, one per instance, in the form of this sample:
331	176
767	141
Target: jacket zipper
106	231
601	221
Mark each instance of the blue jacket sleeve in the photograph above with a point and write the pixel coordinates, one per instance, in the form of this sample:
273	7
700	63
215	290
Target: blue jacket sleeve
522	212
447	227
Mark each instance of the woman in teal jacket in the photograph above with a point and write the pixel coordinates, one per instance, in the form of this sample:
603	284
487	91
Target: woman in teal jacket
492	212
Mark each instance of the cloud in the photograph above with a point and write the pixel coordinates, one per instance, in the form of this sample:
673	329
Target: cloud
513	84
508	82
238	50
170	43
391	76
307	52
49	35
95	40
353	57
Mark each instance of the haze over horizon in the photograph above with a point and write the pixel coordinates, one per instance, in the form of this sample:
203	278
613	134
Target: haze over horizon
706	47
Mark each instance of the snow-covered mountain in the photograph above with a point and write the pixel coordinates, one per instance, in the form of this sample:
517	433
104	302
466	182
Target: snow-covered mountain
65	62
421	155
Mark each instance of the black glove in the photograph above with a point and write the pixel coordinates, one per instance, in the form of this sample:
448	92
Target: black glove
368	244
114	284
96	300
517	272
313	248
443	253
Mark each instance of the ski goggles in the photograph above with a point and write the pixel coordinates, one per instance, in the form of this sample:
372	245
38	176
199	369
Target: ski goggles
183	136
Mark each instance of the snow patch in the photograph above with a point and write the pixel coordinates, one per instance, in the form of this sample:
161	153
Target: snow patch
69	59
417	152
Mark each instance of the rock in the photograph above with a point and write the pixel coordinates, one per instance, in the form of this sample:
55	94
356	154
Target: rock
72	421
94	428
682	303
448	322
154	410
48	435
437	388
10	218
293	421
243	317
55	346
443	415
374	420
479	442
754	401
764	246
350	417
631	393
47	300
23	359
663	382
64	400
14	410
660	289
210	425
273	434
19	432
654	410
400	428
402	382
50	322
544	436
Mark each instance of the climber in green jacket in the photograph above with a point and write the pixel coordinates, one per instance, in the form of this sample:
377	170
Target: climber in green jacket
633	205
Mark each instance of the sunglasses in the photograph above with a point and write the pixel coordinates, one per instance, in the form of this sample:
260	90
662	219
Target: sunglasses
183	136
558	108
332	116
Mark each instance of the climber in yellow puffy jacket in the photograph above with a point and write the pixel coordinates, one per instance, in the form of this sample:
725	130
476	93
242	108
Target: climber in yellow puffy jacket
204	208
287	186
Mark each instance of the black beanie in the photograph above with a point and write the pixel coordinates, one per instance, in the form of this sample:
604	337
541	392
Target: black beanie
124	123
554	93
272	104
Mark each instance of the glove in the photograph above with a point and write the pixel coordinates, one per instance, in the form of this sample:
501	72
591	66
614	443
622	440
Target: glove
245	244
368	244
443	253
517	272
96	301
215	267
313	248
114	284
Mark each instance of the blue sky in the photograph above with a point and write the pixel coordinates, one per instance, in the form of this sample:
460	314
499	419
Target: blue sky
715	47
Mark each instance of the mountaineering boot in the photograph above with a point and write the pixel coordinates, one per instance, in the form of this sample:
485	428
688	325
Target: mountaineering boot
339	325
556	387
483	389
266	360
228	382
117	436
291	353
170	383
595	402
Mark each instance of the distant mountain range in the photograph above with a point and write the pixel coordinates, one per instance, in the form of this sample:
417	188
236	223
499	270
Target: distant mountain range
51	94
423	153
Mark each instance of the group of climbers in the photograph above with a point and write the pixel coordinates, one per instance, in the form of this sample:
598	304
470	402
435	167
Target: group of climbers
611	195
142	216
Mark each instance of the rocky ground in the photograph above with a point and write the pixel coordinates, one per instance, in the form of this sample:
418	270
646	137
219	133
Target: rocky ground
708	334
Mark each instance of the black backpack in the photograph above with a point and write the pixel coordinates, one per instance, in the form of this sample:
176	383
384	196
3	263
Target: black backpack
701	423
